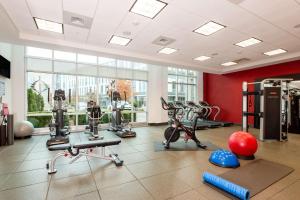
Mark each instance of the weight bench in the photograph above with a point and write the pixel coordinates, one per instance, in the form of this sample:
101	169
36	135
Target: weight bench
83	149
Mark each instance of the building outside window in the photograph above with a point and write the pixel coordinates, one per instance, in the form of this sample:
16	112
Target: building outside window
83	78
87	77
182	85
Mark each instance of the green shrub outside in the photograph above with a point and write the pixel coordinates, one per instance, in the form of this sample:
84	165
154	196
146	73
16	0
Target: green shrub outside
39	121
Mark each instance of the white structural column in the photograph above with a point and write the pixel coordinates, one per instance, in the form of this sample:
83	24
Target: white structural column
18	89
5	51
157	87
200	86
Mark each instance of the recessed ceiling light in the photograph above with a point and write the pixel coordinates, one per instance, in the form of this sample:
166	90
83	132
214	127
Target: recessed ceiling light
119	40
48	25
209	28
148	8
275	52
167	50
229	64
202	58
248	42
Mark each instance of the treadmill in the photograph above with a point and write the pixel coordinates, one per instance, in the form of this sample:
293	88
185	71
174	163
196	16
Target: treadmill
209	108
185	121
210	124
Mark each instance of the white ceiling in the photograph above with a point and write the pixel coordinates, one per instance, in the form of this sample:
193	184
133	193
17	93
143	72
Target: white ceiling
271	21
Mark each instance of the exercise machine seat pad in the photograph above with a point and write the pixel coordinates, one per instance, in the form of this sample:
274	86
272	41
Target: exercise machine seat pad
96	143
59	147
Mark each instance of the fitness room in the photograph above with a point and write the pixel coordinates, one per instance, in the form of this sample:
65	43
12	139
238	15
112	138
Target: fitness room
149	99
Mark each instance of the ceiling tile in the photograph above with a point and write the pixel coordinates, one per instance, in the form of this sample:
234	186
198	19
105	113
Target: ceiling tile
19	13
49	10
284	14
243	19
74	33
82	7
132	24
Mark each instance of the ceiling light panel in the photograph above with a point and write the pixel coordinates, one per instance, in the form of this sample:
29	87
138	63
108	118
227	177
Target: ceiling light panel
248	42
148	8
275	52
119	40
209	28
228	64
48	25
167	50
202	58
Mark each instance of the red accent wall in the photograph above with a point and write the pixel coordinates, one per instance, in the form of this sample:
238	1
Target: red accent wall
226	90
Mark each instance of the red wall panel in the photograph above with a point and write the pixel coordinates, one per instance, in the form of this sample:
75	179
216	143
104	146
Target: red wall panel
226	90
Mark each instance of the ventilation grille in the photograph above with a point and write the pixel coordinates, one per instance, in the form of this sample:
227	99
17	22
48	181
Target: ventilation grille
77	20
236	1
242	60
163	41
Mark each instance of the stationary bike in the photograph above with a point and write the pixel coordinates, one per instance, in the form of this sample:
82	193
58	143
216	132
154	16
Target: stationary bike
58	132
94	116
172	133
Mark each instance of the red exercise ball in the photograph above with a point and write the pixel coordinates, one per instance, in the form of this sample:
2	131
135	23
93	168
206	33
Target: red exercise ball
242	144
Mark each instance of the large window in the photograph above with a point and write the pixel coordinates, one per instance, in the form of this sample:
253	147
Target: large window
182	85
83	78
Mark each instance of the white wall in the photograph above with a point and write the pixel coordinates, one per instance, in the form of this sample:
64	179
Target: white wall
157	87
15	86
200	86
5	51
18	83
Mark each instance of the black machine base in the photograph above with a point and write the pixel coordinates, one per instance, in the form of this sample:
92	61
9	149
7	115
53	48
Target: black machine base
126	133
93	136
118	162
199	144
57	140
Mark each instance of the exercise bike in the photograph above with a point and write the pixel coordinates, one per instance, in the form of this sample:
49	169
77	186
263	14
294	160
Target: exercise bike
94	116
58	132
172	133
118	123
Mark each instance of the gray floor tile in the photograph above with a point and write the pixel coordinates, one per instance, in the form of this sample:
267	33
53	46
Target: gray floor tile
25	178
32	164
8	167
69	170
89	196
71	187
31	192
165	186
113	176
161	175
127	191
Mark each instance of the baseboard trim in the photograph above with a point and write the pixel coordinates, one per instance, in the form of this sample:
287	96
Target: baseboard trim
158	124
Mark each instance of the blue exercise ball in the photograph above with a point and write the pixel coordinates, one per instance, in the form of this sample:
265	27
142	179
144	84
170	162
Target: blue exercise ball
224	158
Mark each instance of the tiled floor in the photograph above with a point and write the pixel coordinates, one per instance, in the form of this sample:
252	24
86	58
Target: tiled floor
146	174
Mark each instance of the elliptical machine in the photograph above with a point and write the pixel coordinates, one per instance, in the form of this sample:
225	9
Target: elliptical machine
118	123
58	131
172	133
94	115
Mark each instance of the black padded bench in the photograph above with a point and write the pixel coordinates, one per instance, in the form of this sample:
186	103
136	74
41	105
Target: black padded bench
83	149
85	145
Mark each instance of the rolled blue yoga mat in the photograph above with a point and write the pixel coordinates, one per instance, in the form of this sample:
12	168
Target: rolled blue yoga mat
227	186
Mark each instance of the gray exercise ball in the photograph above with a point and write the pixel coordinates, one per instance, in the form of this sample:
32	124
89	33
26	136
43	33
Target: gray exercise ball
23	129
